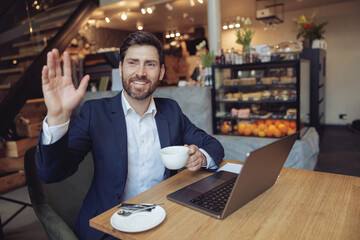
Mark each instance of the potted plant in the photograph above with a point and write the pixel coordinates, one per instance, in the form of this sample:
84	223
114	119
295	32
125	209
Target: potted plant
309	30
244	36
207	59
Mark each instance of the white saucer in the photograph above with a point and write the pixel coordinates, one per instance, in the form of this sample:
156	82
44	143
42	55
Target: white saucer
138	222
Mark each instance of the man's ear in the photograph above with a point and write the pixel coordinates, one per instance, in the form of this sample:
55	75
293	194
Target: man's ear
162	72
120	68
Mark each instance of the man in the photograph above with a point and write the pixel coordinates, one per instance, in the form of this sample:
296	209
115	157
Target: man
124	133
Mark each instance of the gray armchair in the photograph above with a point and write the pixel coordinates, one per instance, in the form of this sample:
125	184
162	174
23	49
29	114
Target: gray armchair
58	204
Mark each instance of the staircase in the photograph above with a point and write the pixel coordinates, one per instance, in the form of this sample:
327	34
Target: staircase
28	30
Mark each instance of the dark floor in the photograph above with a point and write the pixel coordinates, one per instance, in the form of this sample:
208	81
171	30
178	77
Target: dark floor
339	153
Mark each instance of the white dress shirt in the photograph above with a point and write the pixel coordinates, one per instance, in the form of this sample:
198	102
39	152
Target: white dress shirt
145	168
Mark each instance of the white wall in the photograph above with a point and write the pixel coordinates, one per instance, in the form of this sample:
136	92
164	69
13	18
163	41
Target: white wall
343	54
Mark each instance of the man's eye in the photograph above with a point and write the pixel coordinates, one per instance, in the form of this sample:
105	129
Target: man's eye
151	64
131	63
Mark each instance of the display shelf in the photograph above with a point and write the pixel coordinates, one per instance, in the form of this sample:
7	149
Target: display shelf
270	99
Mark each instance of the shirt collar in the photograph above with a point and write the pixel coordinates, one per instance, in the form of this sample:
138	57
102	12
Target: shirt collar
127	107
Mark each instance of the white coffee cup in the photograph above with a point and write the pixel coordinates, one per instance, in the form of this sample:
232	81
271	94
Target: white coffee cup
174	157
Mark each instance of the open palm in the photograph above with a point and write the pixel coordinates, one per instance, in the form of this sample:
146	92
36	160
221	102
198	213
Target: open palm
60	94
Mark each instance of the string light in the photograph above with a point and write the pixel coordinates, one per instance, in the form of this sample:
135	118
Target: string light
123	16
139	26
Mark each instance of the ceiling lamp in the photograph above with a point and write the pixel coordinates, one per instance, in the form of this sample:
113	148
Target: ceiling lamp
107	20
231	26
139	26
150	10
225	27
143	10
177	34
192	2
172	34
201	1
123	16
169	7
167	35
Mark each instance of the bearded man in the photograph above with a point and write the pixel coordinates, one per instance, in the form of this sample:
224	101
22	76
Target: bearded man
124	133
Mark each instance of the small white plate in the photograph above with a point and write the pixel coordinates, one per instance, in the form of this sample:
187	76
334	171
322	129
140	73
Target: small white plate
138	222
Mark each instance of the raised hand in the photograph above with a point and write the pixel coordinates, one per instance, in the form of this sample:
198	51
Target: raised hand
60	94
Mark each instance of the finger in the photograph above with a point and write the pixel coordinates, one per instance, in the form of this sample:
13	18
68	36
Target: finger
44	75
83	85
57	62
51	65
67	65
192	149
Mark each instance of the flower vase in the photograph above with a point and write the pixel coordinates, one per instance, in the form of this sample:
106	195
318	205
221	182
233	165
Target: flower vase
307	43
246	54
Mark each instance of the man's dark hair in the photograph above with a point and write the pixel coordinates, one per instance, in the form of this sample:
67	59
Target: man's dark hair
141	38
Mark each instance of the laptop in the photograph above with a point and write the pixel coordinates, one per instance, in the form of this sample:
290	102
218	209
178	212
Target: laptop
222	193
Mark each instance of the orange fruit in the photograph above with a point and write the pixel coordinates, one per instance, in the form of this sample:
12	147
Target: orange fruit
252	126
262	126
261	133
293	124
269	122
225	129
255	132
277	133
283	129
291	131
287	123
240	131
247	131
272	127
277	122
269	132
242	125
260	121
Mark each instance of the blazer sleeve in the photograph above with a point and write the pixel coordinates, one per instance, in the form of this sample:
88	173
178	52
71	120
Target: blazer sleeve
57	161
195	135
186	132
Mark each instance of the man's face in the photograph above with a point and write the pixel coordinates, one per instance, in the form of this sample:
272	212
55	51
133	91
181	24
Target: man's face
141	71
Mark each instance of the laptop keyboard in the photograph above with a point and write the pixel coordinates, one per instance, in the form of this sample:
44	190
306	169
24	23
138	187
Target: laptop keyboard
217	198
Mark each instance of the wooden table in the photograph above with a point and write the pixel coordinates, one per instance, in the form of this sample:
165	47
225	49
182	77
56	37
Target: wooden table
301	205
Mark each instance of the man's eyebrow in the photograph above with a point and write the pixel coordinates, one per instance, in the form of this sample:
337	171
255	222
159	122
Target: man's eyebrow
132	59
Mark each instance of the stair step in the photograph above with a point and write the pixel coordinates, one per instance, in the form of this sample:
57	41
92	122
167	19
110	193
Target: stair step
12	70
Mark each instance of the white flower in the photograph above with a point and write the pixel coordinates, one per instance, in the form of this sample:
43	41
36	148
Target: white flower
247	21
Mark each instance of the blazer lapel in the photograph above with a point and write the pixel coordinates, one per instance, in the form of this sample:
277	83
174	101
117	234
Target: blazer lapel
163	128
119	124
164	134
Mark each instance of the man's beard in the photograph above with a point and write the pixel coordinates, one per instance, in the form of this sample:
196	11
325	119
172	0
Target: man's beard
137	94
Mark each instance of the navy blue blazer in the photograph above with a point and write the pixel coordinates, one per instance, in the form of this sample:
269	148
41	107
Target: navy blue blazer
100	127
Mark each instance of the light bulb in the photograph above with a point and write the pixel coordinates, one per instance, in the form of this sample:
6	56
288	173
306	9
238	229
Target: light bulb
107	19
225	27
123	16
143	10
149	10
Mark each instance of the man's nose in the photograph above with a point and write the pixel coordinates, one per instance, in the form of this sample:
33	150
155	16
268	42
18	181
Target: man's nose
141	73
